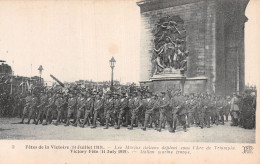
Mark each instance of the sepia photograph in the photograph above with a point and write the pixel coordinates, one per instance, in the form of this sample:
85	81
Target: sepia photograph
175	71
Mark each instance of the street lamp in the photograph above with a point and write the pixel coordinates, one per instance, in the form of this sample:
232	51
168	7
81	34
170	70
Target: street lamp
40	71
112	62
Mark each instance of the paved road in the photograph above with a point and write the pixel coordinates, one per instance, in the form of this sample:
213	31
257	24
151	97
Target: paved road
219	134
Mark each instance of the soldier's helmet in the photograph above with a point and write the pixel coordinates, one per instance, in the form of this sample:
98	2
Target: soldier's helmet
109	93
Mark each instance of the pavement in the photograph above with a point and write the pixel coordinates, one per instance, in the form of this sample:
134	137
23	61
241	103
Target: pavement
214	134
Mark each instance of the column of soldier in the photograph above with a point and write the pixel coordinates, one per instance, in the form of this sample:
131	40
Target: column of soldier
146	109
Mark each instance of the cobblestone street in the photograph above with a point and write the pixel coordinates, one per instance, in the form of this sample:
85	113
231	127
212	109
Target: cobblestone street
216	134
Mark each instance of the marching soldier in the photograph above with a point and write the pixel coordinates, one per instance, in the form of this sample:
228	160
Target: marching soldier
72	102
116	102
219	109
28	100
32	111
181	110
149	105
122	109
50	109
227	108
164	104
81	103
98	105
60	103
156	114
234	110
201	110
208	105
135	104
88	109
213	111
189	106
108	108
41	107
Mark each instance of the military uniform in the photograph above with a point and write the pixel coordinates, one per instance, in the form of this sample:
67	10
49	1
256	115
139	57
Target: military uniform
208	104
50	110
220	111
191	104
149	106
81	103
155	115
226	109
181	110
28	100
109	110
164	110
122	110
201	111
88	111
98	105
42	108
234	110
116	102
72	102
135	104
33	107
60	102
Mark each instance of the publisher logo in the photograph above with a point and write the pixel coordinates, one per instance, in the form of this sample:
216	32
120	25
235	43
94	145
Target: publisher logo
248	149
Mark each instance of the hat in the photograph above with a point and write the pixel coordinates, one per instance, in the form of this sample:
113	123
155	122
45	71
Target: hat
108	93
149	92
116	94
94	93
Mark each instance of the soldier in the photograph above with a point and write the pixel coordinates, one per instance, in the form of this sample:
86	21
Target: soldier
227	107
109	108
88	109
50	109
149	105
33	107
116	106
155	114
201	110
127	112
213	111
208	105
196	110
41	107
234	110
179	103
163	105
98	105
191	110
247	110
72	102
220	110
135	104
81	103
122	109
28	100
60	103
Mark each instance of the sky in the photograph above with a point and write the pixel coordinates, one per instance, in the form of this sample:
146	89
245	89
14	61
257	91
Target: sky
75	40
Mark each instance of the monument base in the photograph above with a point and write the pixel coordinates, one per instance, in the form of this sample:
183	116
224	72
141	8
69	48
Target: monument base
164	82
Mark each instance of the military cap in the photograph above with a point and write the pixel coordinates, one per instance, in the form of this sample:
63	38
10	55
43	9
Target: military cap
108	93
116	94
94	92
